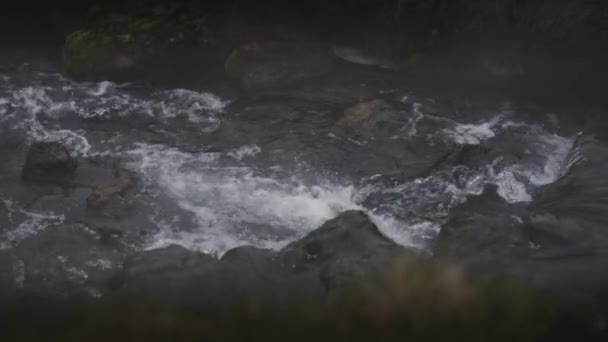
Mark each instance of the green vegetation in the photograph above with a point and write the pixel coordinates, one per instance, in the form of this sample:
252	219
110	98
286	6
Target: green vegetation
411	303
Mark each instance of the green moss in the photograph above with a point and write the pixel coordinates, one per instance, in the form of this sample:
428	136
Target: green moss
87	53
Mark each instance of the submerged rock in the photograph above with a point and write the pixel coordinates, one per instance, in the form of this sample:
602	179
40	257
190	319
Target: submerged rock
121	183
359	113
263	65
49	162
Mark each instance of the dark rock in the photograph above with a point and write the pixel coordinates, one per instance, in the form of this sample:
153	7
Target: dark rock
248	255
572	211
194	279
265	65
484	230
69	259
49	162
556	244
161	261
343	249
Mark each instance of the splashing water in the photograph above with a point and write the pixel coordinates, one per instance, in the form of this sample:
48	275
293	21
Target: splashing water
214	201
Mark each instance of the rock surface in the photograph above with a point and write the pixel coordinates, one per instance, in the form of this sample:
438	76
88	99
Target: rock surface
342	250
359	112
121	183
556	243
483	231
49	162
263	65
68	260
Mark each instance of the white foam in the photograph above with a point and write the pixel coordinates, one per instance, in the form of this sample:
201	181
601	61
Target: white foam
31	224
413	121
473	134
102	88
229	203
245	151
33	100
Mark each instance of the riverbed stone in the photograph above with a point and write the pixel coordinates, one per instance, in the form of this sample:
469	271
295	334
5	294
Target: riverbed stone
49	162
360	112
105	192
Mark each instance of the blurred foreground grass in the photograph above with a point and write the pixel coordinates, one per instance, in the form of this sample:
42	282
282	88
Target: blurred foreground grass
412	302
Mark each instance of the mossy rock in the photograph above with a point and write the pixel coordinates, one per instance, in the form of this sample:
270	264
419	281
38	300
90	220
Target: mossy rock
148	47
92	55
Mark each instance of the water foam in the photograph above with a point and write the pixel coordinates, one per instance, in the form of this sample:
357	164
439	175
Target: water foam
233	206
27	224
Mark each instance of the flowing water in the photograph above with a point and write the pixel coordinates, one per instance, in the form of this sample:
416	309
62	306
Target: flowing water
216	170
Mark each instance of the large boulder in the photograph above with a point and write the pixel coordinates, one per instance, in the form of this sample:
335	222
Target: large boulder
49	162
483	231
557	243
264	65
333	257
343	250
189	278
572	211
68	260
153	268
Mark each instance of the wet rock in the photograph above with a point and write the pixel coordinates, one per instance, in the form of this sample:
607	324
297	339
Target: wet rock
69	259
165	260
263	65
194	279
70	203
485	230
121	183
49	162
572	211
359	113
487	236
248	254
343	249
